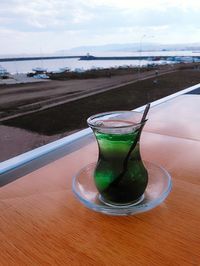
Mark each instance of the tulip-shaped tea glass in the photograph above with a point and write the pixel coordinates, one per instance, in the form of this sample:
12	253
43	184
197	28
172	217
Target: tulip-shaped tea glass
120	175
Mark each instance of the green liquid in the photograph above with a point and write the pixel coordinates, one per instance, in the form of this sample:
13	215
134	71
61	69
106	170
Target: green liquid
113	150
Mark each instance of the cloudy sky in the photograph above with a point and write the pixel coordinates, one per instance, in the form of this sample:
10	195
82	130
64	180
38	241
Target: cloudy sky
50	25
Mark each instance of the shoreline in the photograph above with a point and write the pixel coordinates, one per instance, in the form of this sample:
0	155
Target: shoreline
28	77
79	73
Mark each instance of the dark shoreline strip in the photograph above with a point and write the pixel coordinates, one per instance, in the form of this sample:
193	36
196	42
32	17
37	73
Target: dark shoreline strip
36	58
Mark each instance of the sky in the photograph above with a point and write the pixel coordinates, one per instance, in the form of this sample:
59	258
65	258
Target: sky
46	26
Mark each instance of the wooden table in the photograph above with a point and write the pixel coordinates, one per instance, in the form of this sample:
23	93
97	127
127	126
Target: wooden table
42	223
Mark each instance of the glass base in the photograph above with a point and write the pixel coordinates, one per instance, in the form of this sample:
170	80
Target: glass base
120	205
158	187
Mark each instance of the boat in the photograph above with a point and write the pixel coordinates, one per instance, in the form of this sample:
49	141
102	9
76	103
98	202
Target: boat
183	59
64	69
79	70
3	72
39	70
41	76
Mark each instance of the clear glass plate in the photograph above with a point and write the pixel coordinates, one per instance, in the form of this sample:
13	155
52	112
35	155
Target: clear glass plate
158	188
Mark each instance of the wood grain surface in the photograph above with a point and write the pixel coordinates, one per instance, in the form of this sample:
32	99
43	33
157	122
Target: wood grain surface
42	223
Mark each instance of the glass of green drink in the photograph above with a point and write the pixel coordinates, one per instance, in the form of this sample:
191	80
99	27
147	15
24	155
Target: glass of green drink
120	175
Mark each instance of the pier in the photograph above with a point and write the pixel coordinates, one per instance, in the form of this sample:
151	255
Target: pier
91	57
152	58
36	58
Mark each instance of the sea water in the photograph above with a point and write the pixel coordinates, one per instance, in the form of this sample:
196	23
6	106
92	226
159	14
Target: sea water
74	63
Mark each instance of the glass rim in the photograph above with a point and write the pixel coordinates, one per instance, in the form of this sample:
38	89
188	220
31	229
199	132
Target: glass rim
103	114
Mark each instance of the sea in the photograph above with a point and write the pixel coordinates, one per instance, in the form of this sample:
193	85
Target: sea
14	67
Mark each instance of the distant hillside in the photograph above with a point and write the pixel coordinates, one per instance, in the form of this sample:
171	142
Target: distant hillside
134	47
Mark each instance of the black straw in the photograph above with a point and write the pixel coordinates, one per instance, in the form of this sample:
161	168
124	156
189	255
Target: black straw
145	112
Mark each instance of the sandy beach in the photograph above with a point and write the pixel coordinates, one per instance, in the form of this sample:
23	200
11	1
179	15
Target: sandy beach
36	114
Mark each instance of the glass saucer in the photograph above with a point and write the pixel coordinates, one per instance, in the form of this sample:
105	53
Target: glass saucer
158	188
